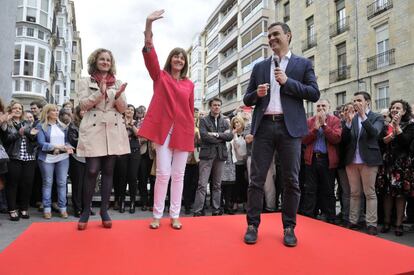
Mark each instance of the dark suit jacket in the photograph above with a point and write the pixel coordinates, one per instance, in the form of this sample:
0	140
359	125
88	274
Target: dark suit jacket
301	84
212	147
369	149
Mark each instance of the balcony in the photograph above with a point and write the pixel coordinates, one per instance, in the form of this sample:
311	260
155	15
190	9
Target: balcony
339	27
341	73
378	7
228	83
382	103
286	18
228	60
227	39
381	60
309	43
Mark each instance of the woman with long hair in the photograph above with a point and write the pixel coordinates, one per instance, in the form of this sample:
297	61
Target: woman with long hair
102	133
53	158
169	123
395	180
19	140
126	171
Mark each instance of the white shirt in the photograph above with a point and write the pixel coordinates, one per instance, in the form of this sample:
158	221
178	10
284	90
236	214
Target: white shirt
275	105
57	137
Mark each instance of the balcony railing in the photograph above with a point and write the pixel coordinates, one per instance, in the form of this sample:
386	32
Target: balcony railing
381	60
310	42
286	18
341	73
339	27
378	7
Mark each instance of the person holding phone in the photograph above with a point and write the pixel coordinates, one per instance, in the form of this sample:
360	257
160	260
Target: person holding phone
169	123
102	133
395	177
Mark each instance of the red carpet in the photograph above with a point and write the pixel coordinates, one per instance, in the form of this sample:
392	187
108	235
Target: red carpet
205	245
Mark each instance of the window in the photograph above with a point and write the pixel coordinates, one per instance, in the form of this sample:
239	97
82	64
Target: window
73	66
309	109
17	53
30	32
19	31
251	9
286	9
251	60
212	27
258	30
17	85
212	85
28	60
59	60
57	93
310	31
212	66
212	45
74	47
31	15
44	9
40	35
41	60
72	85
243	87
382	37
341	57
383	98
340	14
27	86
340	98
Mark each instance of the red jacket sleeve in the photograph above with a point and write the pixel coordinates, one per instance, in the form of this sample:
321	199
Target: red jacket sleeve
151	62
333	130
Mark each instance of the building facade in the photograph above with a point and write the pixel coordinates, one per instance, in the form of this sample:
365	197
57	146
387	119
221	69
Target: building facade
7	29
363	45
43	51
355	45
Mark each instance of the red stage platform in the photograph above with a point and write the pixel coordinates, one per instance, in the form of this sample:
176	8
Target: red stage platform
205	245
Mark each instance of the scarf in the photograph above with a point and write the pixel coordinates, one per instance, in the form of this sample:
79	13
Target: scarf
98	77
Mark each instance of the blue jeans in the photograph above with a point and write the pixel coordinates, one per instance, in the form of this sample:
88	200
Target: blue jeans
60	169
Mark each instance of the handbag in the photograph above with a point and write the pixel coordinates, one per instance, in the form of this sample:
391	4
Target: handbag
4	157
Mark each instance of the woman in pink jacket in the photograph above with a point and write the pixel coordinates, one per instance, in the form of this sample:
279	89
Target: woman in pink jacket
169	123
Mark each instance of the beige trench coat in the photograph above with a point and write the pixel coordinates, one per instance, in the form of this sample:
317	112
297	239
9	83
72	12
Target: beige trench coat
102	130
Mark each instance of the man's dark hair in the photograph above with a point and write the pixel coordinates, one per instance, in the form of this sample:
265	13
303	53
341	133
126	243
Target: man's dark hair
214	99
196	109
366	95
285	27
37	103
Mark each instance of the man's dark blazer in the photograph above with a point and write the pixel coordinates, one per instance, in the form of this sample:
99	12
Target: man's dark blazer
301	84
369	149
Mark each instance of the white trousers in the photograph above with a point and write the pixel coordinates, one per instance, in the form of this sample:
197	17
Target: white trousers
170	163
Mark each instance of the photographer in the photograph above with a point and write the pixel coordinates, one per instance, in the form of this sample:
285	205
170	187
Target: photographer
19	140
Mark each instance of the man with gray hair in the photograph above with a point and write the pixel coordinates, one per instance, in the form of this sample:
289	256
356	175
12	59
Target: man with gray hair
321	159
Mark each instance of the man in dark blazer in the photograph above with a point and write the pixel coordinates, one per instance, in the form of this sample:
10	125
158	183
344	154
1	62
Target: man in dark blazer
277	88
362	158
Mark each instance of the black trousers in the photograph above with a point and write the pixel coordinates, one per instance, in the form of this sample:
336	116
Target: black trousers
19	183
126	172
77	174
271	136
319	189
37	187
144	171
190	184
240	187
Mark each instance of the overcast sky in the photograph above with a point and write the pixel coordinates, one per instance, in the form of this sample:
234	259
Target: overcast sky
119	25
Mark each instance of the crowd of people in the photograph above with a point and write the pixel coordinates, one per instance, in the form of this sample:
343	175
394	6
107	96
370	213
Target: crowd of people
363	159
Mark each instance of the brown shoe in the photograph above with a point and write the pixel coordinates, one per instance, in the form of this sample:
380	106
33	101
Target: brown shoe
82	225
64	215
372	230
176	224
155	224
47	215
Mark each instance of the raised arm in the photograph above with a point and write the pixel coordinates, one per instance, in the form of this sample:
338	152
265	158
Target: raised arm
150	57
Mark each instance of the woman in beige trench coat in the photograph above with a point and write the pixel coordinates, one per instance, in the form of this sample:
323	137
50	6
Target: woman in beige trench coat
102	133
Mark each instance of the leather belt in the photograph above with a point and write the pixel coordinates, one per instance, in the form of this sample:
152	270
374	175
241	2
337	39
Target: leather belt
274	117
319	155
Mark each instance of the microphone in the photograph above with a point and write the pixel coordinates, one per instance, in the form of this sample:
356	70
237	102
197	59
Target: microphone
276	60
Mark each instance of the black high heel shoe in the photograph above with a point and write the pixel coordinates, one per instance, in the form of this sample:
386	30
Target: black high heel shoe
132	207
399	230
83	221
386	228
